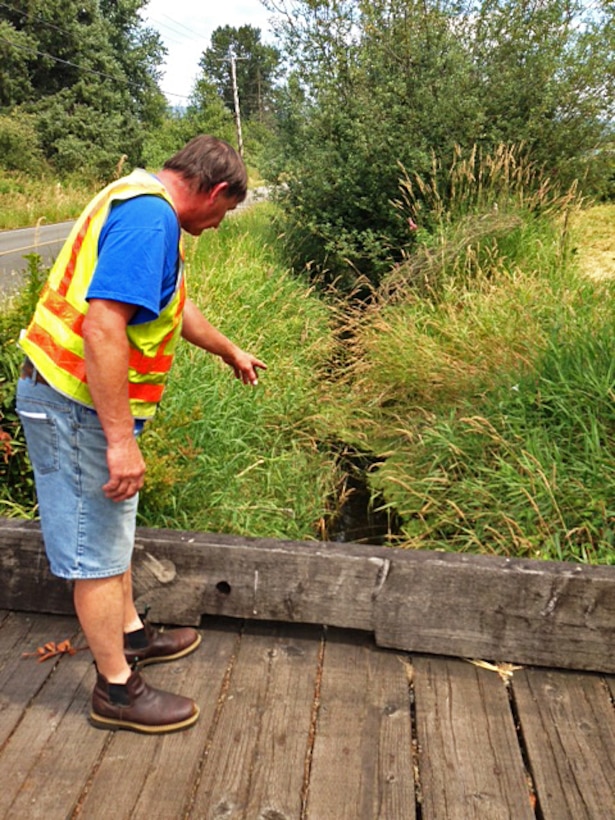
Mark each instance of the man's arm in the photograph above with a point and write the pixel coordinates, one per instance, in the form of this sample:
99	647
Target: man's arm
198	331
106	363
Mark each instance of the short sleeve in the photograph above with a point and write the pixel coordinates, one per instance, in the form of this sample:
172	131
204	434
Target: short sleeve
138	256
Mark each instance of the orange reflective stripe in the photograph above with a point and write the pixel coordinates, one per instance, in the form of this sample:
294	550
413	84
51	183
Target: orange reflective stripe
151	393
74	253
70	362
62	308
158	363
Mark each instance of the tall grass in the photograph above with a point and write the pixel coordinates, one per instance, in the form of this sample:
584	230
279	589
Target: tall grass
26	201
225	457
479	380
483	373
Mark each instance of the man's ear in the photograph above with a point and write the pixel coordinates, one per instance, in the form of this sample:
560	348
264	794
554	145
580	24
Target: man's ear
218	190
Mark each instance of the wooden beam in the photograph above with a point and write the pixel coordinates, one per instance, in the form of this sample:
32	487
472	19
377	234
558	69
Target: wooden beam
529	612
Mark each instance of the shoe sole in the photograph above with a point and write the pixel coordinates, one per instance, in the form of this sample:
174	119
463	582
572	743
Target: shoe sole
101	722
166	658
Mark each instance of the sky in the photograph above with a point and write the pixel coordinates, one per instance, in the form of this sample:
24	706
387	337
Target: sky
186	26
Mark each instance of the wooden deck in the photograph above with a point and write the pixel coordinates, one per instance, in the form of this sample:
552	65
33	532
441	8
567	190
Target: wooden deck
305	722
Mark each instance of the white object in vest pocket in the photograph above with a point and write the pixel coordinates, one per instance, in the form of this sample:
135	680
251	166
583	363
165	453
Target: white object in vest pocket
28	415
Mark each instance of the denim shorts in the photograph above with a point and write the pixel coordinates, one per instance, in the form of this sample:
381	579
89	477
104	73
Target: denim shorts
86	534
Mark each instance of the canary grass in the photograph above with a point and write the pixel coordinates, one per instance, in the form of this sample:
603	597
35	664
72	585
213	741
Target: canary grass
484	373
479	381
230	458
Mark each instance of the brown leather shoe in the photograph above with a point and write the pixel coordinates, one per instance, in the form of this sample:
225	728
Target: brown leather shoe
141	708
162	646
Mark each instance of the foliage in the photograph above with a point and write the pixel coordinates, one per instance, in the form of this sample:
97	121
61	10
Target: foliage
390	82
481	377
227	458
84	75
256	66
27	201
16	482
20	147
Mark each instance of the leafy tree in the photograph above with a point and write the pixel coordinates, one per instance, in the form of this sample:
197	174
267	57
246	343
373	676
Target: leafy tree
387	83
16	49
257	67
372	89
88	78
547	77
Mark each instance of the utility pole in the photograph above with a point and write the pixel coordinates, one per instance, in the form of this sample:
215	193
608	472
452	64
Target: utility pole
233	60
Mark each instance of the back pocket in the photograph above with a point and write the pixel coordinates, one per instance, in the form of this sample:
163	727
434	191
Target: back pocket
42	439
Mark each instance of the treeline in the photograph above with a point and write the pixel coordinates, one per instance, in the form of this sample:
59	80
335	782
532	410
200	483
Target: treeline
383	91
80	87
79	84
356	101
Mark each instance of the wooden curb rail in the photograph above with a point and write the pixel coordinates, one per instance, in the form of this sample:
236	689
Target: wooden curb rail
522	611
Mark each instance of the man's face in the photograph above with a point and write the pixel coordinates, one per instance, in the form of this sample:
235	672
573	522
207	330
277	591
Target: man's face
202	211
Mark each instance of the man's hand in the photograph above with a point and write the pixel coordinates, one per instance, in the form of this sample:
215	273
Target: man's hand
197	330
126	470
245	366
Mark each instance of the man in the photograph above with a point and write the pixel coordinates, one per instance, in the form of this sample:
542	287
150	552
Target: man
99	348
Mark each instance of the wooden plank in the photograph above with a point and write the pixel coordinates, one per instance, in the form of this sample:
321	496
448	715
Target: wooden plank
182	576
254	766
478	606
470	763
362	759
48	757
21	679
568	725
529	612
25	581
154	777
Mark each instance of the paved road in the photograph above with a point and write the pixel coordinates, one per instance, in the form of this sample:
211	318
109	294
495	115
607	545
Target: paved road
46	240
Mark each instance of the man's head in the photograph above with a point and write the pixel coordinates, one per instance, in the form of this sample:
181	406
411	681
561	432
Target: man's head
206	179
206	162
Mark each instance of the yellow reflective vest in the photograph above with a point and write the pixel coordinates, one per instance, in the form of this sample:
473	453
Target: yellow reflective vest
54	339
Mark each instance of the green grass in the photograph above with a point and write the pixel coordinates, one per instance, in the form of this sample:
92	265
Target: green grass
28	201
480	380
229	458
486	383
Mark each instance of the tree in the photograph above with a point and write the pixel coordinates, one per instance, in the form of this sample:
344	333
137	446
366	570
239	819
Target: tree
257	68
381	84
87	80
16	49
547	77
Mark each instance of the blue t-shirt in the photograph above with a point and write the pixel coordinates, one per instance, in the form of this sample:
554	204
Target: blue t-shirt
138	259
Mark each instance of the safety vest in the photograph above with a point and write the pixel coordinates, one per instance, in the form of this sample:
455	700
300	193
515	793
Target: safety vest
54	338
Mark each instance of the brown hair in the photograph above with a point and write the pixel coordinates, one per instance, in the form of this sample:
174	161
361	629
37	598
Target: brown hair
206	161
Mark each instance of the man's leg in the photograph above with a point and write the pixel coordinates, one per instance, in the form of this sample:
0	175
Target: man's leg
100	608
143	643
132	621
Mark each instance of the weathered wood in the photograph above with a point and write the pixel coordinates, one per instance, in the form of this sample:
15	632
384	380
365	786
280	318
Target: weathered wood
50	752
528	612
470	765
568	725
475	606
150	779
255	764
362	758
20	678
299	721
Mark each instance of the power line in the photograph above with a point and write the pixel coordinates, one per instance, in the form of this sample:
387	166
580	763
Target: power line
32	50
44	23
193	34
